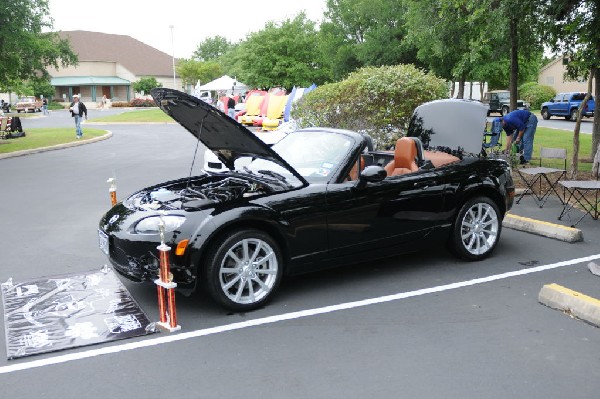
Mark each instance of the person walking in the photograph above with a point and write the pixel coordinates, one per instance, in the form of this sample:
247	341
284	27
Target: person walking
520	126
78	110
45	105
231	107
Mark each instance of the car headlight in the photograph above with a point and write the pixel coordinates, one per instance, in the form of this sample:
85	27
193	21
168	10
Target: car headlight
149	225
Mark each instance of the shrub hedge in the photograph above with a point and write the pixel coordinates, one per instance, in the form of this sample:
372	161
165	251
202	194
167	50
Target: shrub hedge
535	94
137	102
376	101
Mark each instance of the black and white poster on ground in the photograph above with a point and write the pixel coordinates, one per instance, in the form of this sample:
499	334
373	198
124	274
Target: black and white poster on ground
55	313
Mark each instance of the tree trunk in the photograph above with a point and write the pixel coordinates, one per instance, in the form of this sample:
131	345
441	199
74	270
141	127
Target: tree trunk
481	89
596	125
461	87
470	90
575	159
596	163
452	89
514	62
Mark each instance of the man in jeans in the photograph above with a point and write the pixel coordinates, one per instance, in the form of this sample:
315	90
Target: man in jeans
520	127
78	109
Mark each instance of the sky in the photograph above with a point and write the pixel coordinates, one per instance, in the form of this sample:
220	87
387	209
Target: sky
193	21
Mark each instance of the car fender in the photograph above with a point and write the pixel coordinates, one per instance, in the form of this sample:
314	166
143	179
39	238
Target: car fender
472	186
218	224
490	187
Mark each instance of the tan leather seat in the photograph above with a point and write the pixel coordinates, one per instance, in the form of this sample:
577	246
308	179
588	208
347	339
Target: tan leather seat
353	175
405	158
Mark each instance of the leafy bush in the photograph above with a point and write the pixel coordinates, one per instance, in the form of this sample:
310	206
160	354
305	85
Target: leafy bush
375	101
144	85
137	102
535	94
54	105
142	102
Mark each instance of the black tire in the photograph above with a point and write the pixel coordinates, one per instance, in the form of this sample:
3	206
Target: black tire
573	115
243	282
476	229
504	111
545	114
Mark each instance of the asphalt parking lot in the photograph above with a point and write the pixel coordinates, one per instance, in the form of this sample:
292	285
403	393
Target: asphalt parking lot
423	325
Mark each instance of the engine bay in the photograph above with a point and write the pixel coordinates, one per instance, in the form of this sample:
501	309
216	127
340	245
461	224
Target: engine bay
196	194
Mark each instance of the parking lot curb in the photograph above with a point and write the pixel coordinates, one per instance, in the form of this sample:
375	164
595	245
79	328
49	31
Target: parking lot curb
539	227
56	147
571	302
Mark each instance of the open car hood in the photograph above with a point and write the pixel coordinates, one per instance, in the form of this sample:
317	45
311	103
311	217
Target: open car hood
450	125
228	139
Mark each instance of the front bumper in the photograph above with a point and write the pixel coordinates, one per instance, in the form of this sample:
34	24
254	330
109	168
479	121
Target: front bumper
140	262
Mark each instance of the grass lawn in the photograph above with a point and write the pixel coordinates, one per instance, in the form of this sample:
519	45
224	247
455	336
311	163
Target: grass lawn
45	137
142	115
23	114
552	138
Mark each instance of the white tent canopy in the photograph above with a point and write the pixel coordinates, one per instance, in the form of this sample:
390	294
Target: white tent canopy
225	83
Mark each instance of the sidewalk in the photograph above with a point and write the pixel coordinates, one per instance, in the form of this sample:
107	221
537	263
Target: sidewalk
550	213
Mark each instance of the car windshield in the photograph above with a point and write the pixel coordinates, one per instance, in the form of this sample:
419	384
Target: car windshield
504	96
315	155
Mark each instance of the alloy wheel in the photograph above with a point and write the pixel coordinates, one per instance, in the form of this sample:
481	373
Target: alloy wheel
479	228
248	271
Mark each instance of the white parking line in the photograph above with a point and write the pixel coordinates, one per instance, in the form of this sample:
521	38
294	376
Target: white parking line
286	316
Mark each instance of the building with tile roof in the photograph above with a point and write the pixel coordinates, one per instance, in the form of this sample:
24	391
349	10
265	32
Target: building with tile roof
108	65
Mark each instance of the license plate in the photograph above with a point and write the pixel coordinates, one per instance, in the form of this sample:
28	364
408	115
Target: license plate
103	241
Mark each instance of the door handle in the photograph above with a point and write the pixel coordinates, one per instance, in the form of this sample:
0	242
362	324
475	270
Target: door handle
422	185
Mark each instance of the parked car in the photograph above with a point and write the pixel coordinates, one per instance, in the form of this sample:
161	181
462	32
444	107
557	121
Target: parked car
499	101
206	97
317	198
566	105
26	104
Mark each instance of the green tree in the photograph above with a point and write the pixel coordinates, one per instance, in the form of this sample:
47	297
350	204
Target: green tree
25	51
442	30
41	87
212	48
144	85
358	33
282	54
192	71
573	29
511	28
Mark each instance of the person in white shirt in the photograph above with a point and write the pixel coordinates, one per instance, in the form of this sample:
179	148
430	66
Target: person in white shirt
78	110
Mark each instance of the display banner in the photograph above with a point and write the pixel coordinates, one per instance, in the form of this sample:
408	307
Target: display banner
55	313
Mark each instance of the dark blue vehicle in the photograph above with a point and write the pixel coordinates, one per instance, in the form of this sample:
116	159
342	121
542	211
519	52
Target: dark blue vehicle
566	105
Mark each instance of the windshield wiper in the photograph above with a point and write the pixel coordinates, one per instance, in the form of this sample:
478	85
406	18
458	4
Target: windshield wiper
273	174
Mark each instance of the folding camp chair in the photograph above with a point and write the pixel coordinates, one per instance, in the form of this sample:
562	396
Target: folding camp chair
538	175
584	193
492	140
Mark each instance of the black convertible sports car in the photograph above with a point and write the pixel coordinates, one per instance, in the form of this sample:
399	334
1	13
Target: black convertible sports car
319	197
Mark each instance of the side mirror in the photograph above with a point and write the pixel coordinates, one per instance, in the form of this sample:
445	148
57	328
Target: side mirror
552	100
371	174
